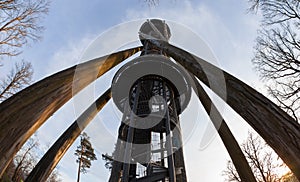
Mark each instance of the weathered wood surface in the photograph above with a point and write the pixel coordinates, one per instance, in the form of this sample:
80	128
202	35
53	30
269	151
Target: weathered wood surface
23	113
230	143
274	125
49	161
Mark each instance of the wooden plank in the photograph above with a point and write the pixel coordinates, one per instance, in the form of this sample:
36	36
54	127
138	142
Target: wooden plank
23	113
49	161
274	125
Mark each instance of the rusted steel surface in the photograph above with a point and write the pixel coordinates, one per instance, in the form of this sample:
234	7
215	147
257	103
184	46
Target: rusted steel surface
49	161
23	113
276	127
230	143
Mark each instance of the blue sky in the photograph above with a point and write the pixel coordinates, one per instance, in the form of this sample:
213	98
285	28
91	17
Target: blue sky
72	25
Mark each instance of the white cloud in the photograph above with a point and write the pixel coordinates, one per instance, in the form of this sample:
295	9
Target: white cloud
68	55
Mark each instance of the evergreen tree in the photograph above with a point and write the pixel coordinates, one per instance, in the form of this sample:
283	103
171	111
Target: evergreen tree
85	154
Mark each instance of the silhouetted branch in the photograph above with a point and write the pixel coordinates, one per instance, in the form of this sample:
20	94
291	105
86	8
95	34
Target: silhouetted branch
20	23
17	79
275	11
261	158
277	51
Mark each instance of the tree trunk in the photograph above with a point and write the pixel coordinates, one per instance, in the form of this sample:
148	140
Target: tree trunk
23	113
275	126
79	165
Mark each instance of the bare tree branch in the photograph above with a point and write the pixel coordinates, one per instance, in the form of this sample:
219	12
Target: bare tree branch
277	51
276	11
263	161
25	160
20	24
277	59
230	173
18	78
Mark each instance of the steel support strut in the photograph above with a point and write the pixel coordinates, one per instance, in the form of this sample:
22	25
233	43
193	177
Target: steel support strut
129	141
118	157
178	153
169	145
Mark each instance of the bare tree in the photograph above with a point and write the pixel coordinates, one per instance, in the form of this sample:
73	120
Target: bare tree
263	161
276	11
20	24
25	160
231	173
277	51
18	78
261	158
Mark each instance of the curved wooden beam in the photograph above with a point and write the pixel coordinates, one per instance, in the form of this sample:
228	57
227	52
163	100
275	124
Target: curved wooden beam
49	161
274	125
232	146
23	113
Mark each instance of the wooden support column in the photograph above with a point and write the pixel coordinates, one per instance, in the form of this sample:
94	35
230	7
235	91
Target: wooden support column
274	125
49	161
23	113
232	146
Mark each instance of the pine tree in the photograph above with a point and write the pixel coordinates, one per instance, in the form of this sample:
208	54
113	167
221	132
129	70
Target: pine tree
85	153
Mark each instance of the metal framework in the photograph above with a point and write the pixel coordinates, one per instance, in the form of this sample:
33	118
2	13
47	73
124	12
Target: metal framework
165	164
149	133
23	113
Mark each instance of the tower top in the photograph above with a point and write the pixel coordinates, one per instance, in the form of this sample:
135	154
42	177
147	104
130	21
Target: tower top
154	29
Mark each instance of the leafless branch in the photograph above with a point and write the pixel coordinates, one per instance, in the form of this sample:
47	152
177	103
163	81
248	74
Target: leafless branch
18	78
25	160
263	161
230	173
276	11
277	59
20	24
277	51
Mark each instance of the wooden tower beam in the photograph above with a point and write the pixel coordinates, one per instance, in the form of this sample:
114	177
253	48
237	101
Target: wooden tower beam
23	113
274	125
230	143
49	161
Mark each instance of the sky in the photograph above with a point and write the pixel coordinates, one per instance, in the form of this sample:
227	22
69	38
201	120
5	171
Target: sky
220	31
